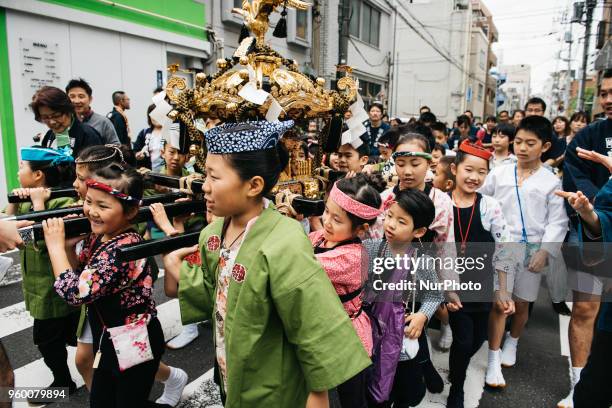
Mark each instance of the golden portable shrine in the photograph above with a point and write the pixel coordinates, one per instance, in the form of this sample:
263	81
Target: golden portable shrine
257	83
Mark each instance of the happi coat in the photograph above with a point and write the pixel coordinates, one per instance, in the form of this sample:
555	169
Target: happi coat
286	332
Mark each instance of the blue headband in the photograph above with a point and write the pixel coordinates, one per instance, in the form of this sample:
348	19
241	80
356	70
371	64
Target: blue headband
245	136
45	155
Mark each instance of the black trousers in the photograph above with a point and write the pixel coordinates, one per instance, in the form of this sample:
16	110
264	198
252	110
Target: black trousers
352	393
593	390
51	337
111	388
469	332
408	384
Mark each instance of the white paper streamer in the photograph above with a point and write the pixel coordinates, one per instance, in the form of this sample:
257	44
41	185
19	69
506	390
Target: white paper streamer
159	97
346	138
200	125
355	124
161	111
160	114
250	93
358	130
274	111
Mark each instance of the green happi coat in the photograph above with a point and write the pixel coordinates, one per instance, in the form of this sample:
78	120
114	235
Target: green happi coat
39	296
286	332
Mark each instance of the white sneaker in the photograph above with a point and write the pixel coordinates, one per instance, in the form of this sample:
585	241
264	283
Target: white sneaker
508	354
446	337
173	387
567	402
5	264
494	377
189	334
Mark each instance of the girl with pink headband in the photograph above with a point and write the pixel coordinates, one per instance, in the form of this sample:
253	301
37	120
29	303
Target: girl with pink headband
352	207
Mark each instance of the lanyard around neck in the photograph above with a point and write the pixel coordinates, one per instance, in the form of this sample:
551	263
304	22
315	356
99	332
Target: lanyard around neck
518	196
469	226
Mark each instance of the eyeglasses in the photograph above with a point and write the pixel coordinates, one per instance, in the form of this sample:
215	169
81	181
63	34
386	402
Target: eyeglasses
535	110
54	116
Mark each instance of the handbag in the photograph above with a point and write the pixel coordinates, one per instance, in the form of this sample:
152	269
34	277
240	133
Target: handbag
130	341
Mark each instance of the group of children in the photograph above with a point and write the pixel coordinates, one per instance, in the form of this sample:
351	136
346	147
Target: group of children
294	315
483	200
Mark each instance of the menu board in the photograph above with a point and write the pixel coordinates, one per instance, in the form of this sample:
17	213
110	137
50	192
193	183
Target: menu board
39	66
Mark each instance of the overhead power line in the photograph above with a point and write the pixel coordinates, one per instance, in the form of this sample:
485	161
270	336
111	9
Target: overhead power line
428	41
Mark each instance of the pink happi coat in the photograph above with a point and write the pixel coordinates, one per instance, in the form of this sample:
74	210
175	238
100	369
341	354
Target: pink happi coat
346	266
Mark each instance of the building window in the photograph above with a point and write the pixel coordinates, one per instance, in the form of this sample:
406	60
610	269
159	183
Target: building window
226	14
480	91
301	24
299	27
365	22
369	90
355	18
483	57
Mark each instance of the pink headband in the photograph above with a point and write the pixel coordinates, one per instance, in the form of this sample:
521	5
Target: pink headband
353	206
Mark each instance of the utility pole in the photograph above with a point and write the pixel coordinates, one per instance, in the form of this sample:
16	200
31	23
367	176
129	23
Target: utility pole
590	6
568	86
344	20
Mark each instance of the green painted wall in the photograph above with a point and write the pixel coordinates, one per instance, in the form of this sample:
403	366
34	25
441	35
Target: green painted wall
188	11
7	121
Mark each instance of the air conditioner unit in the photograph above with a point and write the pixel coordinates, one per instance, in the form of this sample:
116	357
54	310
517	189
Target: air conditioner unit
195	63
462	4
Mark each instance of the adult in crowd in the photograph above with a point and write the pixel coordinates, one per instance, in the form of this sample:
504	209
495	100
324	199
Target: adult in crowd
485	135
561	127
148	145
552	157
473	127
7	378
588	177
593	390
375	127
517	116
53	107
578	121
428	118
504	117
9	240
462	131
9	234
119	118
395	122
80	94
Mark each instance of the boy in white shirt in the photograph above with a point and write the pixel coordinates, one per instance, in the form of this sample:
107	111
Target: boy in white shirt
537	218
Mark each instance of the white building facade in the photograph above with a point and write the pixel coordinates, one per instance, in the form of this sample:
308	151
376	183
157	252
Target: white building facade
432	68
517	88
114	48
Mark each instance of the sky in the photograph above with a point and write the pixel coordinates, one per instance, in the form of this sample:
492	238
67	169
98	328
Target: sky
531	32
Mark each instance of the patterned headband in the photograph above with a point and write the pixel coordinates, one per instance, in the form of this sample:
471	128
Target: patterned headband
98	185
475	149
353	206
116	150
424	155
